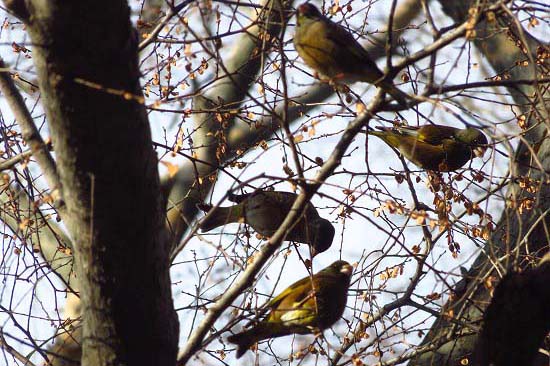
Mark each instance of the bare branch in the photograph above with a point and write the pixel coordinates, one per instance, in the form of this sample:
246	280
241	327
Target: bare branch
29	131
53	243
12	351
172	12
13	161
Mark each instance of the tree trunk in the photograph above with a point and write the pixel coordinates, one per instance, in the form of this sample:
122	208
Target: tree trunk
86	56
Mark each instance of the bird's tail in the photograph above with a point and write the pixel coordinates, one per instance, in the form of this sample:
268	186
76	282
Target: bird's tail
220	216
380	134
386	135
259	332
398	95
246	339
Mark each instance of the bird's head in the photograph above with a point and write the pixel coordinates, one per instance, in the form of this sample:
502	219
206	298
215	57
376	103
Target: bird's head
475	138
323	233
307	12
340	267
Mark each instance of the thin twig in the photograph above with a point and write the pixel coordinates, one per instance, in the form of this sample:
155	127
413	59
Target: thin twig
12	351
171	13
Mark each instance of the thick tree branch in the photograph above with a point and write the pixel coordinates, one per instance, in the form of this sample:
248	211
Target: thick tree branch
86	61
14	160
30	132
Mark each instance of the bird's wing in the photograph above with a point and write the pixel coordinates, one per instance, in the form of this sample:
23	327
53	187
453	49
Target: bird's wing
436	134
345	40
299	293
294	293
285	200
298	316
351	51
270	196
304	303
282	198
297	308
403	130
430	134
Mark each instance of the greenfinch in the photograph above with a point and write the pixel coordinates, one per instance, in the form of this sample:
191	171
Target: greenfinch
435	147
333	52
310	305
265	211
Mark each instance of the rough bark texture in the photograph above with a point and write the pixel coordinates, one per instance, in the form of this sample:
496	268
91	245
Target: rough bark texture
526	232
511	335
86	58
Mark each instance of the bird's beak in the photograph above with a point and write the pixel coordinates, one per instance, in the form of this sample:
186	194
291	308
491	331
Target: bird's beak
347	270
479	151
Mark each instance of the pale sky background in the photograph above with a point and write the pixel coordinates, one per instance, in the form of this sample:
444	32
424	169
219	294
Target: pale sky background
357	240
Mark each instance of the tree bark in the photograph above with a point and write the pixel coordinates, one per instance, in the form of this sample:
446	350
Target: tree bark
517	320
86	56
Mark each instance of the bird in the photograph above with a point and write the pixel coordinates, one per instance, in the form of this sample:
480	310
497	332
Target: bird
332	51
435	147
265	211
308	306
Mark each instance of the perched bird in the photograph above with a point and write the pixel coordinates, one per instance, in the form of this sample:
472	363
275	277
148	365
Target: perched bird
435	147
333	52
265	211
310	305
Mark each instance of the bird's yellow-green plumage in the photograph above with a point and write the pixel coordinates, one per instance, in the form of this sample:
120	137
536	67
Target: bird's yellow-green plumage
310	305
434	147
332	51
265	211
